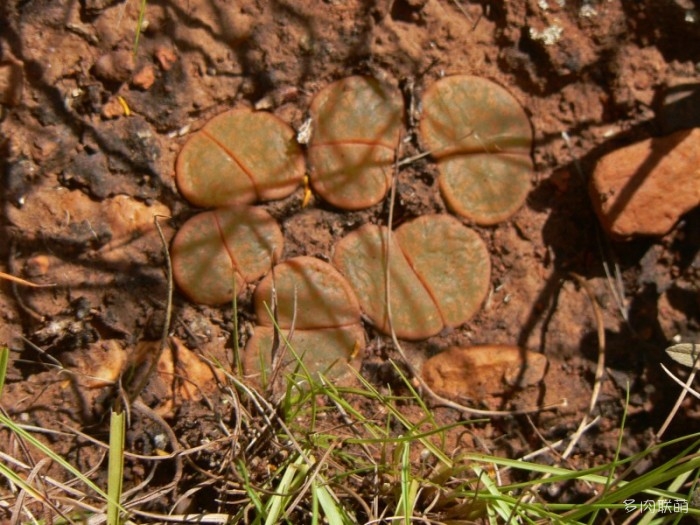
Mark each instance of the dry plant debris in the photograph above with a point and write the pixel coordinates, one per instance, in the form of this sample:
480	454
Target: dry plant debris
357	122
239	157
318	310
439	269
217	252
481	139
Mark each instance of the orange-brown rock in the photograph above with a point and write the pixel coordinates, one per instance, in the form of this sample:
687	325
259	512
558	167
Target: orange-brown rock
482	371
115	66
144	78
643	189
113	108
11	83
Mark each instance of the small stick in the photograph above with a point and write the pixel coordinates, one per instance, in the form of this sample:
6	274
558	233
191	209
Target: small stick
15	290
600	367
135	390
142	409
169	267
23	282
677	405
685	386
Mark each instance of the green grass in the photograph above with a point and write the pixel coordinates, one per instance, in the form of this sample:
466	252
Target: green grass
454	488
27	490
115	466
321	453
139	25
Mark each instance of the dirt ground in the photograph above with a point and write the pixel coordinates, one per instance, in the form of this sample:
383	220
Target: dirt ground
82	181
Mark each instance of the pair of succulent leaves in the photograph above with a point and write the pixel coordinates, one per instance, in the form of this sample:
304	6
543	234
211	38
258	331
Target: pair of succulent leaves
439	269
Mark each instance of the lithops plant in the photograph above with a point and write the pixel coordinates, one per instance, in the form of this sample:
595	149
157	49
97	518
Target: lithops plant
317	313
481	139
239	157
219	251
439	274
356	126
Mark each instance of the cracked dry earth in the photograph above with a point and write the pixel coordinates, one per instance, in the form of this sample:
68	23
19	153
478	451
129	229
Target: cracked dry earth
90	133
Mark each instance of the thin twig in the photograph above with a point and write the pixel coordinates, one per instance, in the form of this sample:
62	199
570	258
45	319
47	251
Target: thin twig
23	282
135	389
15	290
676	406
212	518
19	501
600	366
551	447
169	302
310	478
614	283
685	386
141	408
277	351
462	10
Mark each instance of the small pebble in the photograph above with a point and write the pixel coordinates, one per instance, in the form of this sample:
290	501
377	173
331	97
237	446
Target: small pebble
37	266
144	78
480	371
115	66
166	57
112	109
11	83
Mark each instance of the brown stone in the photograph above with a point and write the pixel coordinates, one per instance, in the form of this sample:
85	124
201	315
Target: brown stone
115	66
482	371
643	189
112	109
11	83
103	366
37	266
166	56
144	77
114	223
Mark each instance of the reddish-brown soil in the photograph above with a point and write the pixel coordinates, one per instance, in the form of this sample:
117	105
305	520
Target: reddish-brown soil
82	182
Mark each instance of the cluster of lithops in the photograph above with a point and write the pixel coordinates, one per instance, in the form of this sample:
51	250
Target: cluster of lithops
439	269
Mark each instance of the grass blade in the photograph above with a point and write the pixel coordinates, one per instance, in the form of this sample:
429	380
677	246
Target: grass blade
115	469
4	358
334	514
23	434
